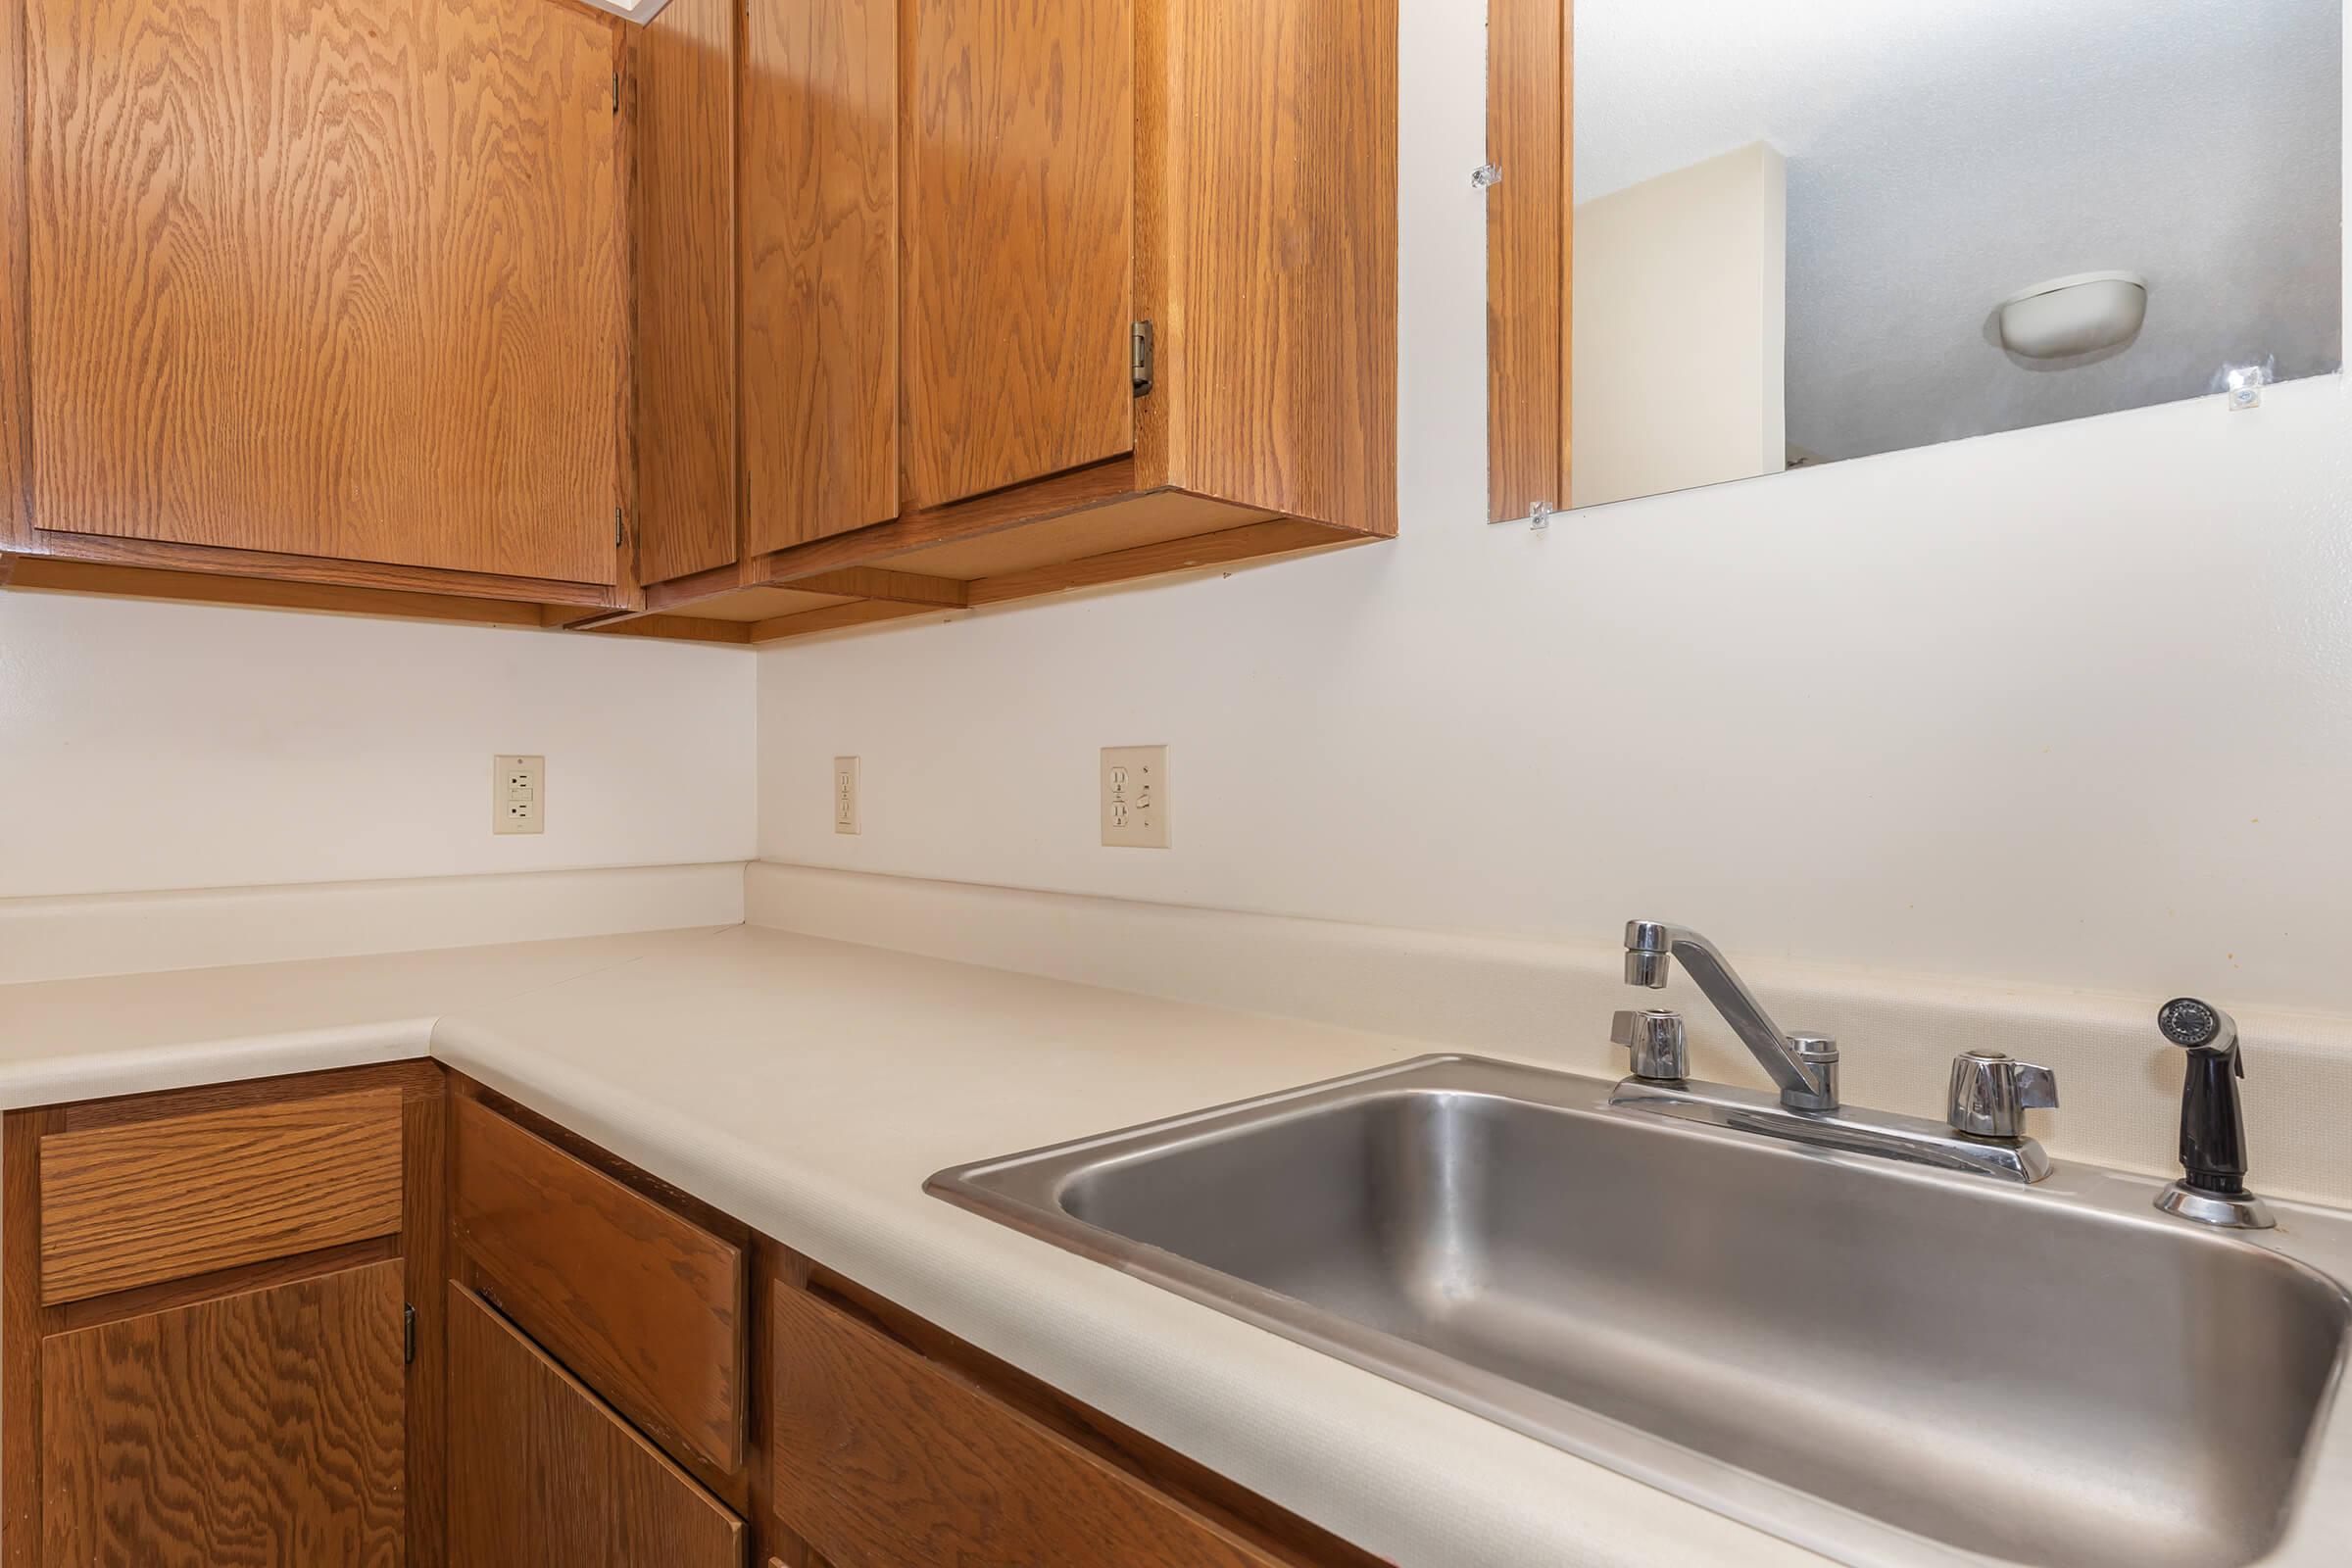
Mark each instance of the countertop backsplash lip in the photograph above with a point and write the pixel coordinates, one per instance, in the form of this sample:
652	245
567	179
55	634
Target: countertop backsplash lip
719	1059
87	936
1549	1002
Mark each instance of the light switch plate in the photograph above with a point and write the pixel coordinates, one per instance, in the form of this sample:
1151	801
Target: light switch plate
1135	796
844	795
517	794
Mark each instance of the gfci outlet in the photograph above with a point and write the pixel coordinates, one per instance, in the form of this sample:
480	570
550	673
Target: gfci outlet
517	794
844	795
1135	796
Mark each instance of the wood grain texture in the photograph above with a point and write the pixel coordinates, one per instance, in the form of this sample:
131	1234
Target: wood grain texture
416	1078
1130	522
882	1458
21	1330
683	66
218	560
145	1300
1097	485
131	1205
329	277
1528	238
15	390
56	574
424	1248
1567	421
1018	117
1257	540
1290	1539
643	1304
820	237
542	1475
1267	223
262	1431
679	628
875	582
840	617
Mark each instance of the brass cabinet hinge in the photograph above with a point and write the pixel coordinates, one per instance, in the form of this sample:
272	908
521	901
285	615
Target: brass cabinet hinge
1141	357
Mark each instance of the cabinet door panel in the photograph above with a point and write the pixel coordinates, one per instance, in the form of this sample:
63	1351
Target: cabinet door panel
820	233
1020	276
328	278
542	1475
685	216
883	1459
260	1431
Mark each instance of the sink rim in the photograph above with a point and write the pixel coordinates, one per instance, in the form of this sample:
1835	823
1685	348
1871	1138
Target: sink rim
1024	1191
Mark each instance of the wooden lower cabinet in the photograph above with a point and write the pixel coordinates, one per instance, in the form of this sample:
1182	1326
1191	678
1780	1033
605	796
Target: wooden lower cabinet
214	1352
544	1475
265	1430
384	1319
884	1457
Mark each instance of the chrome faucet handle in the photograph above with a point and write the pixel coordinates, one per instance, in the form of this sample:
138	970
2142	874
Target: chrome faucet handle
1658	1041
1992	1092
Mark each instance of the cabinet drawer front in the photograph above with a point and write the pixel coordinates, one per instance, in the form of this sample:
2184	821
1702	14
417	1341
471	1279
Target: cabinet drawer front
144	1201
883	1457
644	1306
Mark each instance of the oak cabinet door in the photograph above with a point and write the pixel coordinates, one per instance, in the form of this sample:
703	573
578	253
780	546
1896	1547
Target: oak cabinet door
337	278
265	1430
820	285
1019	214
543	1475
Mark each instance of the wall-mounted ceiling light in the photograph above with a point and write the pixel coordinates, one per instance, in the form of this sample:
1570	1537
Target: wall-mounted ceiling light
2071	316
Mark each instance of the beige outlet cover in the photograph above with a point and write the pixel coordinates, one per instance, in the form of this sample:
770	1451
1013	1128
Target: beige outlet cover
517	794
1135	796
844	795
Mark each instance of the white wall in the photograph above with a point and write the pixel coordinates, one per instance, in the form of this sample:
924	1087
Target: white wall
1679	373
2072	705
156	746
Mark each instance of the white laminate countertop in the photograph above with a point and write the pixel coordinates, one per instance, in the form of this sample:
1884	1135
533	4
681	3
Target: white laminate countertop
809	1087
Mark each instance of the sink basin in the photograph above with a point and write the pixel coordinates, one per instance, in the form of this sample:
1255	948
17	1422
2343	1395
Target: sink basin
1884	1363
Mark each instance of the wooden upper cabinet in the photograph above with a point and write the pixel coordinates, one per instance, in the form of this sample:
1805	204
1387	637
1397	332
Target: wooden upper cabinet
684	214
820	270
330	278
1019	148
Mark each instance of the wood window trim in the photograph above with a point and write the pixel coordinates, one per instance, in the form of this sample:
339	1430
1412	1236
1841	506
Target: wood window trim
1531	242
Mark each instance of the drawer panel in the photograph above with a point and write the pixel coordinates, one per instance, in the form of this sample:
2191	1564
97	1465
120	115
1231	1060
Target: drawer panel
884	1457
642	1304
139	1203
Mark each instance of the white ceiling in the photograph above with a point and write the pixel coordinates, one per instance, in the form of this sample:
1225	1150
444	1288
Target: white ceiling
1944	154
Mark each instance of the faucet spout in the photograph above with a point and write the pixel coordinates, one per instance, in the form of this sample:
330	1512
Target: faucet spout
1805	1068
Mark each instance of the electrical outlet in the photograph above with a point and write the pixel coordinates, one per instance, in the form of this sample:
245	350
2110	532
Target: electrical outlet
844	795
1135	796
517	794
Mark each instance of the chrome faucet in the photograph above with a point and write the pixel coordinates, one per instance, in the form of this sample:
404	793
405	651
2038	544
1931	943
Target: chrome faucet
1982	1131
1805	1066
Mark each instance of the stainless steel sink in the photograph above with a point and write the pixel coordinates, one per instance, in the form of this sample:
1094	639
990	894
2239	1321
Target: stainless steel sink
1884	1363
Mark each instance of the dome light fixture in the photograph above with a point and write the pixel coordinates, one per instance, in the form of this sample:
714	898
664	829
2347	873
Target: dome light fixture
2071	316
